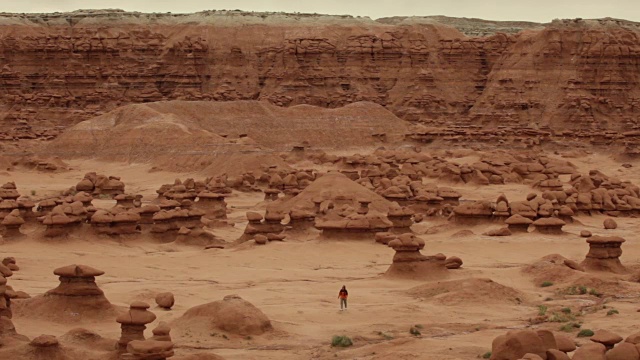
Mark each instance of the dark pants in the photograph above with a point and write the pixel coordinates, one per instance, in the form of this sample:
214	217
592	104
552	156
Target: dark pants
343	302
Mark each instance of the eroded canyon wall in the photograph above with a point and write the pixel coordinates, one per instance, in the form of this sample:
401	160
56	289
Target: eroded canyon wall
59	69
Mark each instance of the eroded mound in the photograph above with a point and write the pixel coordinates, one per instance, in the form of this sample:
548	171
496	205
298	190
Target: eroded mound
467	292
181	135
231	314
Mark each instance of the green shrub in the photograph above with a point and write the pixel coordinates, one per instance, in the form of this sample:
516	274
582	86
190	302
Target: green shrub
418	326
341	341
33	192
566	310
546	284
385	335
612	311
585	333
542	310
569	327
561	317
486	355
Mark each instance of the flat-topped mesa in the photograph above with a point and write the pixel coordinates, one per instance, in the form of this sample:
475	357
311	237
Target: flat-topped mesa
11	225
401	217
549	225
408	262
604	254
518	223
473	213
98	184
128	201
133	323
213	204
8	191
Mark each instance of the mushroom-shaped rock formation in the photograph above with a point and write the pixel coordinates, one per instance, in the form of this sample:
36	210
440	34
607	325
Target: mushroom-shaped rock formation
213	204
401	217
518	223
301	218
8	191
133	323
127	201
552	226
11	225
58	223
77	297
409	263
233	315
146	213
473	213
604	254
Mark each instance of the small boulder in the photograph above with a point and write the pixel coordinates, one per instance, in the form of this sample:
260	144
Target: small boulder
606	338
553	354
498	232
592	351
165	300
573	265
453	262
623	351
610	224
585	233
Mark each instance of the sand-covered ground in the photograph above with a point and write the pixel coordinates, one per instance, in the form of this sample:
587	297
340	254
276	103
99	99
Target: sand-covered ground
295	283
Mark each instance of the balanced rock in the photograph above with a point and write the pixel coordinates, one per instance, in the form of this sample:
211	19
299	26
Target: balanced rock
133	323
604	254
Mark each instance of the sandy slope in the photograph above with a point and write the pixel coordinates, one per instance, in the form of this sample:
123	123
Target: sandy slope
295	283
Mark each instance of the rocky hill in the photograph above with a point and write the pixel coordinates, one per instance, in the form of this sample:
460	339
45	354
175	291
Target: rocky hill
59	69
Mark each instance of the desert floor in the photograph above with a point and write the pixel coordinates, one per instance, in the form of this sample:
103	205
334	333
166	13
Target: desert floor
295	283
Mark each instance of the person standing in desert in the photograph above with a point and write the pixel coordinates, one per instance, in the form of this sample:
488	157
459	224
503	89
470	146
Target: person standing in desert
343	295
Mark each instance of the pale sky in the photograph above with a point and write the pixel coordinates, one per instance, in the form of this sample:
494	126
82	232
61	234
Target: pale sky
529	10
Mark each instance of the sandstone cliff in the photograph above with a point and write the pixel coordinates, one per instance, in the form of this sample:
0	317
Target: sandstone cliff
59	69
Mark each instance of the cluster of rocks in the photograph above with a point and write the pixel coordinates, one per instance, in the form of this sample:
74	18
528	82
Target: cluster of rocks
260	228
346	222
7	267
548	216
208	195
99	184
289	183
546	345
408	261
494	169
